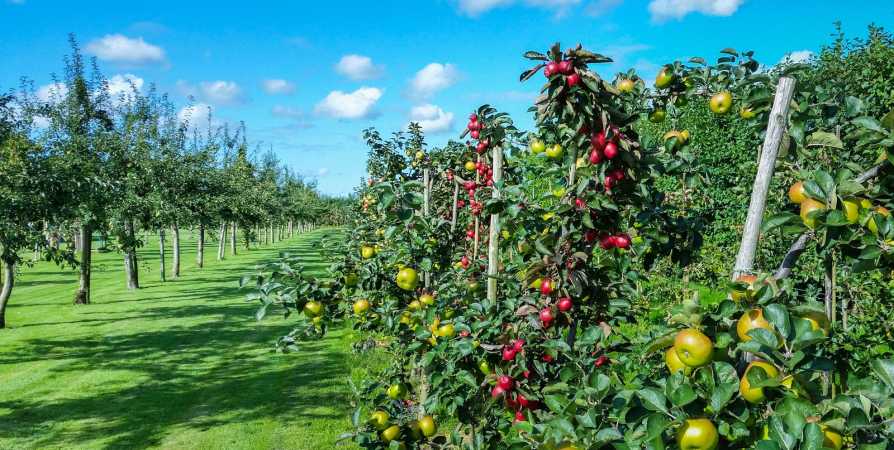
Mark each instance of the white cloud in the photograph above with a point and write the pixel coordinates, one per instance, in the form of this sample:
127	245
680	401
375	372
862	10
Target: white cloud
433	78
664	10
276	86
126	52
217	93
799	56
358	104
323	171
475	8
431	118
285	111
122	83
52	91
602	7
358	68
194	114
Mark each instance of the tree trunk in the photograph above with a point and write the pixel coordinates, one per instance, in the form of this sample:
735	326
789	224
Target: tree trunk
86	247
222	242
291	230
233	240
130	257
161	255
200	258
175	242
246	238
8	280
266	236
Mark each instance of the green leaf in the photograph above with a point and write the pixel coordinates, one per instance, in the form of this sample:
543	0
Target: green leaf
536	56
888	121
778	317
555	402
852	105
564	426
355	417
777	220
656	425
884	368
723	393
823	139
653	399
868	123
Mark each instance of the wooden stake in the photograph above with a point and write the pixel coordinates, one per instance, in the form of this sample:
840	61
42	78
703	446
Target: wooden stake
493	250
775	131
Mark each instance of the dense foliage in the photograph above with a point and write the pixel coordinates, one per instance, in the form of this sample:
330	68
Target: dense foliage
554	353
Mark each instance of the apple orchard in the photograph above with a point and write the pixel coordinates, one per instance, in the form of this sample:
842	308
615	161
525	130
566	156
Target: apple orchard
506	272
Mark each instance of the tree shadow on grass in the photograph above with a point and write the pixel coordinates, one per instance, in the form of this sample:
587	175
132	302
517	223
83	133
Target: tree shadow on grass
183	382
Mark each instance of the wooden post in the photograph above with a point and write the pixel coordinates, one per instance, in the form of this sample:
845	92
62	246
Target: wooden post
775	131
493	248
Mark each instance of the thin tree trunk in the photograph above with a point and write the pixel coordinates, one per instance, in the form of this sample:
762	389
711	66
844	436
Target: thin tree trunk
246	238
161	247
233	240
8	281
86	247
130	257
175	242
200	258
221	244
266	236
291	230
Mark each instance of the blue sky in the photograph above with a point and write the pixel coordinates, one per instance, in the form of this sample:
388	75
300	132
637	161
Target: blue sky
308	77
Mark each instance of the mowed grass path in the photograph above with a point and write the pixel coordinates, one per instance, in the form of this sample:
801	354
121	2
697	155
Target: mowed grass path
174	365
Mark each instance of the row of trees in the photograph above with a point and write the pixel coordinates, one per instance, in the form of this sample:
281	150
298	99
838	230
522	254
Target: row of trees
87	161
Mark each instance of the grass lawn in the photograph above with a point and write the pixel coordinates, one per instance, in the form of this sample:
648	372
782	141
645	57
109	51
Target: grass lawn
174	365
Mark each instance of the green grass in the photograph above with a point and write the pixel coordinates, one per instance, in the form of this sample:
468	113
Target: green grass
180	364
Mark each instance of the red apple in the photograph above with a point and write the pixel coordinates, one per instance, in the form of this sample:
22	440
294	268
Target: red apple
551	69
474	134
591	236
505	382
566	67
622	240
508	353
611	150
573	79
610	181
496	392
473	118
607	242
600	361
546	315
598	140
564	304
547	287
618	173
518	345
596	155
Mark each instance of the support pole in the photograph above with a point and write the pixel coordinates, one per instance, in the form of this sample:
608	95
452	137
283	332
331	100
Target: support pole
493	248
766	165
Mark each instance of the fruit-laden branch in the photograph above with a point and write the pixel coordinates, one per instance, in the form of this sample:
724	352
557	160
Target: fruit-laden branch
797	248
